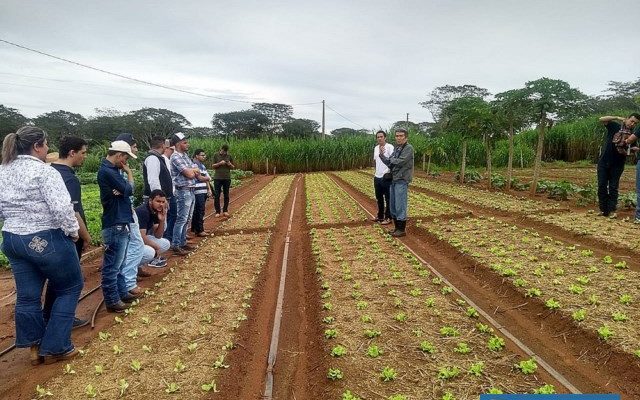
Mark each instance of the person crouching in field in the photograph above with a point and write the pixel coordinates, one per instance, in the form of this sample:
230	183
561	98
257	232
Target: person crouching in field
152	216
382	178
611	164
401	165
39	234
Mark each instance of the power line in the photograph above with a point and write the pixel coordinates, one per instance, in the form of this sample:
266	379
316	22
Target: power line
136	79
355	123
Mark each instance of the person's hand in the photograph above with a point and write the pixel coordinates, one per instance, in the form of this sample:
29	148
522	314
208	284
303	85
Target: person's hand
162	214
125	168
116	192
635	149
74	237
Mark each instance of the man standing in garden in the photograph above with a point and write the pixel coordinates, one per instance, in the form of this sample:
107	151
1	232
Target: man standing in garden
72	152
382	178
611	164
202	192
117	215
184	174
401	165
223	164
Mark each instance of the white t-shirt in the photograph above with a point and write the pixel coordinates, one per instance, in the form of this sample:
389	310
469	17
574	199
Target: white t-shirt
381	168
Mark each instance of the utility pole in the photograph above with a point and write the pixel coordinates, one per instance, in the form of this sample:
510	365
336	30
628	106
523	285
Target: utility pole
407	125
322	119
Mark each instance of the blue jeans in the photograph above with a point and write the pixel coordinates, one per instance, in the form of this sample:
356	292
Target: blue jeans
171	218
34	258
398	200
116	241
185	200
133	259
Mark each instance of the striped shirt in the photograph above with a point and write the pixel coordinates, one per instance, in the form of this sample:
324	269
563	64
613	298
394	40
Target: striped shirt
201	187
180	162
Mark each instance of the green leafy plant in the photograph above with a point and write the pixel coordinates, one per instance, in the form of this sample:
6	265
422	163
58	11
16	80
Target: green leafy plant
495	343
462	348
388	374
552	304
330	333
335	374
605	333
545	389
338	351
427	347
449	331
476	369
527	367
445	373
579	315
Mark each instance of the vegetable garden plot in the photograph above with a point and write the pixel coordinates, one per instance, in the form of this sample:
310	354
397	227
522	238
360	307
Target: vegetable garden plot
328	203
600	295
262	211
396	332
617	232
483	198
420	205
175	342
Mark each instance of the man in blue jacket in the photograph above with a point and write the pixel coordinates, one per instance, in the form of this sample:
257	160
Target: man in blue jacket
116	217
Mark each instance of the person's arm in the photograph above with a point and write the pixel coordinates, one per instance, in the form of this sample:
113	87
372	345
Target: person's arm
606	119
153	172
115	182
182	167
204	177
55	194
158	229
83	232
385	160
218	164
405	157
230	163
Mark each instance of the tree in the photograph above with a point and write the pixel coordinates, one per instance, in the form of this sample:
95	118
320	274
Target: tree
149	122
300	128
470	116
412	127
201	132
433	146
549	98
441	96
349	132
242	124
278	114
513	113
10	120
60	123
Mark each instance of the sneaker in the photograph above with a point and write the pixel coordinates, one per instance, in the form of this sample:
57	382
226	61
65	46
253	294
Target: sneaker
202	234
386	222
50	359
217	215
119	307
226	214
79	323
179	251
157	263
612	216
636	221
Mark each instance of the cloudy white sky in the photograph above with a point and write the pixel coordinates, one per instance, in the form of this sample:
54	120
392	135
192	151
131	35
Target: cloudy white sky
372	61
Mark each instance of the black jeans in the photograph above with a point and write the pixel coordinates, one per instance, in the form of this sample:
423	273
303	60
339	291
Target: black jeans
608	182
382	196
197	221
223	184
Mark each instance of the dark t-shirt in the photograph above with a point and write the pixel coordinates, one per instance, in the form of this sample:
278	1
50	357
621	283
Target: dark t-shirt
609	154
146	219
222	172
72	183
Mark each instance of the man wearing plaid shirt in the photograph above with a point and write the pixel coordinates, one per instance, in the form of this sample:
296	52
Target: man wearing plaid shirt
184	174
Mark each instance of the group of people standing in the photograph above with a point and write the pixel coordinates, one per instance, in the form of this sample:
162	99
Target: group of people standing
45	230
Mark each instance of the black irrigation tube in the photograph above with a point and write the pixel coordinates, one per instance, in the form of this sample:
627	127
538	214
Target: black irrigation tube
90	292
547	367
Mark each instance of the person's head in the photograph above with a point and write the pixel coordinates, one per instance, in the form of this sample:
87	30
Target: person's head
119	153
157	200
381	137
73	149
28	140
157	144
168	150
128	137
180	142
199	155
224	148
401	136
632	120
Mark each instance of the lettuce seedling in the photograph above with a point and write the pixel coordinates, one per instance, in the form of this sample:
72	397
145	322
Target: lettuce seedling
462	348
427	347
545	389
476	369
527	367
449	331
579	315
445	373
338	351
388	374
90	391
349	396
374	351
552	304
495	343
334	374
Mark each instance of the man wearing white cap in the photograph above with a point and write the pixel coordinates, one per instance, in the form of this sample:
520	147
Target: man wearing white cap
116	217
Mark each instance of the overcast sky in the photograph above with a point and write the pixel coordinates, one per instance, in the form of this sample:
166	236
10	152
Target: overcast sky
372	61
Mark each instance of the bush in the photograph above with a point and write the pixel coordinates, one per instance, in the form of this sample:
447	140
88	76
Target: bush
470	176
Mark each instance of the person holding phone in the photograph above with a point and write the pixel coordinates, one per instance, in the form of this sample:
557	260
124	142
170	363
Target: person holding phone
223	164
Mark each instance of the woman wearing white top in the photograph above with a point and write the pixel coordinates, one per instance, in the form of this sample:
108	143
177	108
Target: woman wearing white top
39	231
382	178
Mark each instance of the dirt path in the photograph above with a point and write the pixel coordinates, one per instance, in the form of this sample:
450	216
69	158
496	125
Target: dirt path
17	375
587	362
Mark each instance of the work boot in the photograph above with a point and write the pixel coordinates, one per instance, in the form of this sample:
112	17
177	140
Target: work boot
400	231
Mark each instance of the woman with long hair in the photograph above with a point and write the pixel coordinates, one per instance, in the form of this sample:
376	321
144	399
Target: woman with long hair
38	234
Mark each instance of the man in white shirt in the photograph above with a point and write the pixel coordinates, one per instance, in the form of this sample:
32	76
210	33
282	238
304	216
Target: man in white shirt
382	178
173	206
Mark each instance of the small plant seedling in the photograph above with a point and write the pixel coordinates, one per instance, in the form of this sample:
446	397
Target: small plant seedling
123	385
427	347
449	331
374	351
605	333
495	343
462	348
372	333
579	315
338	351
90	391
625	299
210	387
136	365
545	389
171	387
527	367
349	396
476	369
445	373
179	366
388	374
552	304
219	362
334	374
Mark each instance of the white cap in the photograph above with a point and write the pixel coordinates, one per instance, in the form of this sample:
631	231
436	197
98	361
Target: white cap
123	147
